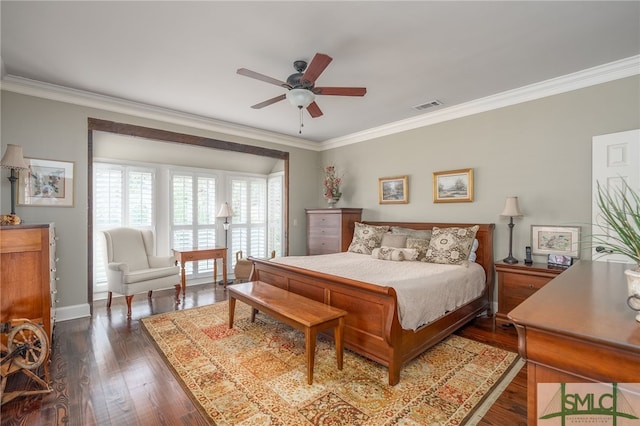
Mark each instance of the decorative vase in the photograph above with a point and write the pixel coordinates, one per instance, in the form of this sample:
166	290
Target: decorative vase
633	285
332	201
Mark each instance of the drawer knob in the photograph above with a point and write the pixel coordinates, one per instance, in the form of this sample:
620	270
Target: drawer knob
530	285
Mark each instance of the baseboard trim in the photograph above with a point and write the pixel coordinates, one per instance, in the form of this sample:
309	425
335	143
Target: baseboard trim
73	312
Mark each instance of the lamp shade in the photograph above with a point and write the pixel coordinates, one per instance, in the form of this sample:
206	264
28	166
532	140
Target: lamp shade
225	210
511	208
13	159
301	98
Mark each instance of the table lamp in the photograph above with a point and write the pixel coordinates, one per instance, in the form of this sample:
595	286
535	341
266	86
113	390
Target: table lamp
13	160
511	210
226	212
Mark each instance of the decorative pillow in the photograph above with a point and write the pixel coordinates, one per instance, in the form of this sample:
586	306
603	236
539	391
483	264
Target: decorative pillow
450	245
474	248
393	240
420	245
412	233
388	253
394	253
366	238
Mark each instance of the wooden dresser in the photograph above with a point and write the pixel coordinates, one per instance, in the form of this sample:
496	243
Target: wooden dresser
28	274
517	282
330	230
578	329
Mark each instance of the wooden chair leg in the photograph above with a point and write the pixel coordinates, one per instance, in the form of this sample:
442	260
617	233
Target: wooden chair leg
129	298
178	288
110	295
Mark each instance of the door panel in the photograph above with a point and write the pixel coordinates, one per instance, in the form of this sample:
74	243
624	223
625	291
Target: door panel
615	158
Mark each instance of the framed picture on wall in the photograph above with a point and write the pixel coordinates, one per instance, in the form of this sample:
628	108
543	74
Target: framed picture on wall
563	240
453	186
46	183
393	190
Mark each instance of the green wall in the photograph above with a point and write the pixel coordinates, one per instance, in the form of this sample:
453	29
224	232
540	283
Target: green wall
539	151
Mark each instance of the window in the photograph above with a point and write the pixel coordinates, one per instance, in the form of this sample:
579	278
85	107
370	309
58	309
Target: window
180	205
124	196
193	219
275	209
249	222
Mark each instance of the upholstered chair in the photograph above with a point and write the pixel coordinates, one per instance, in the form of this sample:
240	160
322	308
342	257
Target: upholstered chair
132	266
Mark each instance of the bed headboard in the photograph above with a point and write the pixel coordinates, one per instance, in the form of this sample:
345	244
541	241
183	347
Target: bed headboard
484	236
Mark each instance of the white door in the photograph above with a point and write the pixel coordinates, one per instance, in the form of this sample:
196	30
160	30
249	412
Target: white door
615	157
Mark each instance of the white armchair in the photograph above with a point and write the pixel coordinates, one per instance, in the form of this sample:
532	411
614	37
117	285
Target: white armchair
132	266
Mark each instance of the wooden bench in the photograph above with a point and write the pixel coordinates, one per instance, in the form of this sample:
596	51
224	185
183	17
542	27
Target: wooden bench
292	309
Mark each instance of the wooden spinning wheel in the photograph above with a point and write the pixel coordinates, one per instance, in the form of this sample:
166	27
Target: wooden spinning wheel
26	349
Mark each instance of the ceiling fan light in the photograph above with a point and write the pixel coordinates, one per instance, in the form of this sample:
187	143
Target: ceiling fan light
301	98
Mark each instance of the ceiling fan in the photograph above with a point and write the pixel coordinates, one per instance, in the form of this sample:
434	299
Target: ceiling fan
301	85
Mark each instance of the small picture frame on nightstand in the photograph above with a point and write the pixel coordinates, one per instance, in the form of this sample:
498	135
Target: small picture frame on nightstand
560	260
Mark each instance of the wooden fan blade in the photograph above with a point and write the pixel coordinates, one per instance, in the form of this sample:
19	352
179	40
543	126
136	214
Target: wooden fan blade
314	110
340	91
261	77
269	102
315	68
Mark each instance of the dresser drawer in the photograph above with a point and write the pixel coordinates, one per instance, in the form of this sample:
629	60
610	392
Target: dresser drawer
516	283
324	221
324	245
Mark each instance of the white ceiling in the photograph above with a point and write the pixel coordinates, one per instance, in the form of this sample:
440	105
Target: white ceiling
183	56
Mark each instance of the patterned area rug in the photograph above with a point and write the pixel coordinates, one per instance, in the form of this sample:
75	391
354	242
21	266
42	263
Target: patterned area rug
255	374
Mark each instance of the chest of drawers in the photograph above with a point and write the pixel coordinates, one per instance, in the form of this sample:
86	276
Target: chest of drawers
28	274
330	230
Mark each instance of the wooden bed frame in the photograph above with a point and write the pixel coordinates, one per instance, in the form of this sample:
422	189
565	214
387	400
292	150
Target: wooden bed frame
372	327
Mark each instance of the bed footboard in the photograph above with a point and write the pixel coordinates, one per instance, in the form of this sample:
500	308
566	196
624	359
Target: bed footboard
372	327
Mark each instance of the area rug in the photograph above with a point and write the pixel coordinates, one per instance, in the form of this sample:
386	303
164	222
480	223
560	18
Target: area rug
255	374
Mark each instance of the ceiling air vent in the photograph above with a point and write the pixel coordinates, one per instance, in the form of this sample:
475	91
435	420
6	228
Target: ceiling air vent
428	105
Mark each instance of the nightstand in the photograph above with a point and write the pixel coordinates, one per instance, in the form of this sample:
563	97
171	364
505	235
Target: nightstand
517	282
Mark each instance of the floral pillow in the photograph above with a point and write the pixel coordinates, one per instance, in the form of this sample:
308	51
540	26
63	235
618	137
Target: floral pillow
366	238
420	245
394	253
450	245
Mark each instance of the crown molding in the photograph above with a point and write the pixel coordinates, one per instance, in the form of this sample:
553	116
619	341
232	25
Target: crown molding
54	92
600	74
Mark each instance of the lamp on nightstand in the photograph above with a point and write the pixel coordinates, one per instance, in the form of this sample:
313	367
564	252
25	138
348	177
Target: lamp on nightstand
511	210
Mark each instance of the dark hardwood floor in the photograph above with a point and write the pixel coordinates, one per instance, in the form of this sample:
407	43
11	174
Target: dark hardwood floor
105	371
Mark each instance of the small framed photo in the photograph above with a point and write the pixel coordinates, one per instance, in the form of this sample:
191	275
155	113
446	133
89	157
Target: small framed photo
393	190
453	186
560	260
564	240
46	183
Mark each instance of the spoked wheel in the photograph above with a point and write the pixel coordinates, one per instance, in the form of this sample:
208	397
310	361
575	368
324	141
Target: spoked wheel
32	344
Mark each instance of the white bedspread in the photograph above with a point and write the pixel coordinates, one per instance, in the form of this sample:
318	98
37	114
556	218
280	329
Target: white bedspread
426	291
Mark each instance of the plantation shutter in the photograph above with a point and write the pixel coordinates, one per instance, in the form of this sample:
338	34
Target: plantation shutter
124	196
249	205
194	216
275	208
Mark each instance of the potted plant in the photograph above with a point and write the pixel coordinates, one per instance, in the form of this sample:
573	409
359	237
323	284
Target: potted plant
620	212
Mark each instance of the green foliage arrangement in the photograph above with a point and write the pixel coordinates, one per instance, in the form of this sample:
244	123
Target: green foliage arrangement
620	211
